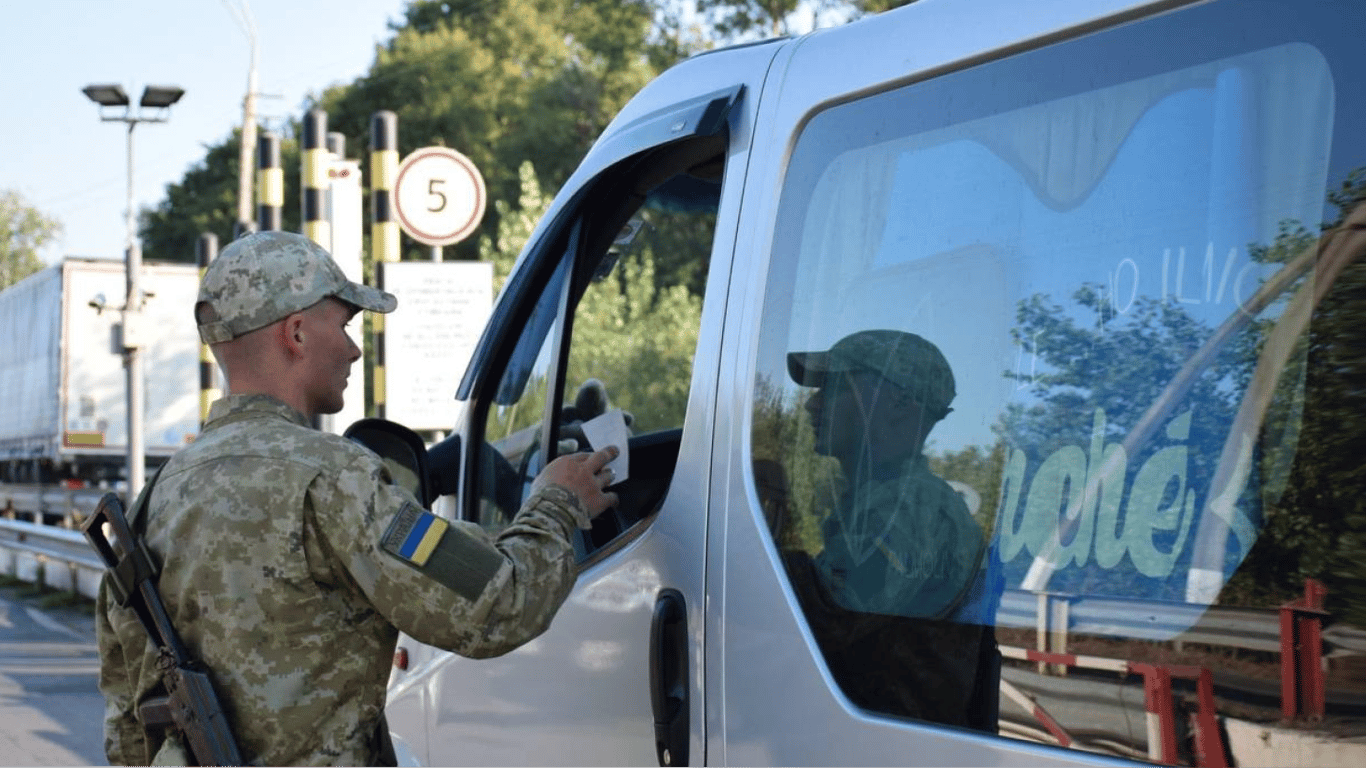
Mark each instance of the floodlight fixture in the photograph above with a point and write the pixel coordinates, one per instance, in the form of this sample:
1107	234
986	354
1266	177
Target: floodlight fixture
154	107
107	95
160	96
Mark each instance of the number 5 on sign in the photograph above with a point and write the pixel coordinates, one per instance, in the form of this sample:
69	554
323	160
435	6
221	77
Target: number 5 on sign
438	196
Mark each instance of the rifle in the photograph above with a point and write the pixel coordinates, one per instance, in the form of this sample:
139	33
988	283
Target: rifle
191	706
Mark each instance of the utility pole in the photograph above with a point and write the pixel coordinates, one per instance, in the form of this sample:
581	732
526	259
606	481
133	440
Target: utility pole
246	155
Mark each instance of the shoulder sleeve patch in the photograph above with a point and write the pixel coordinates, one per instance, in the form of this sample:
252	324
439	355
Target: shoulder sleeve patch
447	555
414	534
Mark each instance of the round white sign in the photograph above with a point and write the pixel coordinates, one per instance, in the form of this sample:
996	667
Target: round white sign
438	196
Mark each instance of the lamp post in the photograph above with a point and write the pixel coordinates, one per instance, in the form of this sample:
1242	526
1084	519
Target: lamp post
153	107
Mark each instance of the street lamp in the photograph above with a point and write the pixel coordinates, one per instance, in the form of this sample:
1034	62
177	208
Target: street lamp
154	107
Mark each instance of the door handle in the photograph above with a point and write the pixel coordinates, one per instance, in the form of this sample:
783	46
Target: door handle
669	677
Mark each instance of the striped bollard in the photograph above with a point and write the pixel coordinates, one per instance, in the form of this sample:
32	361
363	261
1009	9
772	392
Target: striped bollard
270	183
384	227
314	158
206	250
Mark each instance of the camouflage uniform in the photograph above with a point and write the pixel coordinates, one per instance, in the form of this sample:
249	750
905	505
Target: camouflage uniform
280	570
906	546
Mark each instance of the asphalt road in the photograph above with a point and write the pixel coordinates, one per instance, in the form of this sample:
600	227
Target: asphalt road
51	712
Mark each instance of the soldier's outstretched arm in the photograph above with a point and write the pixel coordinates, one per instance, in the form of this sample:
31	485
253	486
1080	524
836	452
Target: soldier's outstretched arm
449	583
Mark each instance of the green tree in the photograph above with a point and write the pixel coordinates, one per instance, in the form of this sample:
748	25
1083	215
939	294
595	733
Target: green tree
798	489
516	221
205	200
979	469
630	325
733	18
524	80
878	6
23	232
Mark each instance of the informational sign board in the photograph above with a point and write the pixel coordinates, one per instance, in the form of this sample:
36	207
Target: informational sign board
428	340
438	196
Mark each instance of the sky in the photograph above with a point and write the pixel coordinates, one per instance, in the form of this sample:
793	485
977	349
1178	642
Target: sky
71	166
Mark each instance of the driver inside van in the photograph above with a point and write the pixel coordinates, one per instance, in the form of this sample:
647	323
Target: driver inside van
901	540
895	592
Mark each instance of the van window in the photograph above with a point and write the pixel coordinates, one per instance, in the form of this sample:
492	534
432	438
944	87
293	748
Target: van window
615	327
1060	355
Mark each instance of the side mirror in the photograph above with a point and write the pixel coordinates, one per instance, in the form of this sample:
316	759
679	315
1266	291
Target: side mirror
402	451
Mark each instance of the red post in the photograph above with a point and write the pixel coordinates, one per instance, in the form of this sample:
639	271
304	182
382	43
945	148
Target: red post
1289	664
1302	682
1157	701
1209	745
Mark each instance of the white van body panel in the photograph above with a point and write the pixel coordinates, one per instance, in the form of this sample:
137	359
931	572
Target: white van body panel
759	690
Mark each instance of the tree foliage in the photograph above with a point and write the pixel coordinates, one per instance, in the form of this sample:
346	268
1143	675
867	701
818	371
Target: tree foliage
205	201
23	232
503	83
739	17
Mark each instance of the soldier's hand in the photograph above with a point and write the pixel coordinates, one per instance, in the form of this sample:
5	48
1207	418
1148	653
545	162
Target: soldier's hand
585	475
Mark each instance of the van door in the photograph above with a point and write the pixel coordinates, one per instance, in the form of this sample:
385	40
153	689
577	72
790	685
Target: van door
605	312
1058	354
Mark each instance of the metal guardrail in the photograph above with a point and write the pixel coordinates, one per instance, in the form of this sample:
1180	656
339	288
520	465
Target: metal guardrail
1254	629
49	500
57	557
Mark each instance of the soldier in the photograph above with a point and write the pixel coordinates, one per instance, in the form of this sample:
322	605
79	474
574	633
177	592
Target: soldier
895	596
289	559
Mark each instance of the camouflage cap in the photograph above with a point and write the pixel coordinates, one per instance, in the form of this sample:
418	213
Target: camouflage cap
905	359
266	276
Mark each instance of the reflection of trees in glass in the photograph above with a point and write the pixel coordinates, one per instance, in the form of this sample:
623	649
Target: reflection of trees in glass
1303	493
1316	528
797	487
1103	373
979	468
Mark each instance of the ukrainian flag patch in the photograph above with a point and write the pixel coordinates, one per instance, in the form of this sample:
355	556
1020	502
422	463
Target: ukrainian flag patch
414	534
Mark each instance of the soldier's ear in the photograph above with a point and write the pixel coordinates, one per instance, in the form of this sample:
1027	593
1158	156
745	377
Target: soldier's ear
292	333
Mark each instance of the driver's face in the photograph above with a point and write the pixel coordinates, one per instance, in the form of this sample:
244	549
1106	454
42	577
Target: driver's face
853	408
837	414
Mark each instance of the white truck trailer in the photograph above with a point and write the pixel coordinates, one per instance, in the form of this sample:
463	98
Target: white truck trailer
63	396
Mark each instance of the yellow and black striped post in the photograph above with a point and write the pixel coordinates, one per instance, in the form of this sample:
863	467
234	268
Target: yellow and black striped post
315	183
270	183
206	250
384	227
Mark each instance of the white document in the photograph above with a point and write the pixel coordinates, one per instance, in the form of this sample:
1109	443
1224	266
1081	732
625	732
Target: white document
610	429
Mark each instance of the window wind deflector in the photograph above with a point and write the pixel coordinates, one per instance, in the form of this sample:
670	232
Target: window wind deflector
702	116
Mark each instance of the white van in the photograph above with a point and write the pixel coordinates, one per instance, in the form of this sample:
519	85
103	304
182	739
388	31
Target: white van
994	372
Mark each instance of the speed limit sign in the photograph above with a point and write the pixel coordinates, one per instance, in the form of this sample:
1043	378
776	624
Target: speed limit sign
438	195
